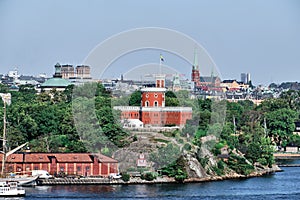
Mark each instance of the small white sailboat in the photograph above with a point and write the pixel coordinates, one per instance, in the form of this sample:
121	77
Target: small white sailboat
11	189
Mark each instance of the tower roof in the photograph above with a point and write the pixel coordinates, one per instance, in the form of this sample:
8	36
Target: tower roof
195	65
56	82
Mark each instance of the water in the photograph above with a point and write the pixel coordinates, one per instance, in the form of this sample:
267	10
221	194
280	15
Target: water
282	185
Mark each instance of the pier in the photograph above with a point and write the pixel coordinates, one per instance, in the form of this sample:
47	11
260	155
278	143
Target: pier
286	156
289	165
79	181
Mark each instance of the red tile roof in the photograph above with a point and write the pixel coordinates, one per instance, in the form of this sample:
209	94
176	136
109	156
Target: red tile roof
60	157
73	157
13	158
37	158
104	159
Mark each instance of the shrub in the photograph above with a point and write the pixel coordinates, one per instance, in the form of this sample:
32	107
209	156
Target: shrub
262	161
149	176
187	147
125	177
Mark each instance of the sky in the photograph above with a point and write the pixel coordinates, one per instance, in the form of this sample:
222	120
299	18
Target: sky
257	37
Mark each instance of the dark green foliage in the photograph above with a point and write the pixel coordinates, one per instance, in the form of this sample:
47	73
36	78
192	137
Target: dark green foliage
149	176
170	94
135	98
205	104
171	99
217	148
281	124
203	161
3	88
46	120
239	165
187	147
176	170
125	177
219	169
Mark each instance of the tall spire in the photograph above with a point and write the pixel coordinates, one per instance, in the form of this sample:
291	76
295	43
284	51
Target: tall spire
195	65
195	70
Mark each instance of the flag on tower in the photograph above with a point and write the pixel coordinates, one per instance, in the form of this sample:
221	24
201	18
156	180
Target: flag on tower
161	58
6	98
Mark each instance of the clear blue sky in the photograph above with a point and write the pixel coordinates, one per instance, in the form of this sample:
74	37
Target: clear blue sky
259	37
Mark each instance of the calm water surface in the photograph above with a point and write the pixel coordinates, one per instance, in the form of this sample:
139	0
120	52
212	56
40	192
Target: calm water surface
282	185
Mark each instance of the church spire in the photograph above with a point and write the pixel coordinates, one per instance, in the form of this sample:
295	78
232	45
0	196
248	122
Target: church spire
195	65
195	70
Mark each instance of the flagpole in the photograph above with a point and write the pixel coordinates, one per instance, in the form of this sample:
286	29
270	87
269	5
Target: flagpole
160	64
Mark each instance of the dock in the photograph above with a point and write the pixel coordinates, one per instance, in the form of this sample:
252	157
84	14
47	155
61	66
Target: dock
79	181
289	165
286	156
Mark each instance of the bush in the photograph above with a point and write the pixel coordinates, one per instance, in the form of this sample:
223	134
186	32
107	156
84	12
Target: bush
263	161
218	171
187	147
203	161
125	177
149	176
239	165
180	140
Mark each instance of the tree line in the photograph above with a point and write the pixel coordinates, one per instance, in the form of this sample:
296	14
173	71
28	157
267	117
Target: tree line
47	121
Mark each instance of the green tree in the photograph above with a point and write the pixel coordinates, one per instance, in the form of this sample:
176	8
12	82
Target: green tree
281	125
135	98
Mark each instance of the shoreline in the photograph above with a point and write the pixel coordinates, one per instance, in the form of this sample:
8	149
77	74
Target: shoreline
158	180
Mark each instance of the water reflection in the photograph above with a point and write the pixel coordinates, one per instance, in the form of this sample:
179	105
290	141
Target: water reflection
283	185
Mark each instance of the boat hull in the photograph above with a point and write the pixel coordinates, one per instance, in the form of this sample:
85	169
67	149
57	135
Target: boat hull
20	194
22	181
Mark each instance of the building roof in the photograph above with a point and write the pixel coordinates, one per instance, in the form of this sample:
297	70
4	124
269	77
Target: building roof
14	158
60	157
228	81
36	158
73	157
208	79
105	159
56	82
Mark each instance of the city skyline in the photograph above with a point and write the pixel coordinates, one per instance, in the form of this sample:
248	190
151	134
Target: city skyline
260	38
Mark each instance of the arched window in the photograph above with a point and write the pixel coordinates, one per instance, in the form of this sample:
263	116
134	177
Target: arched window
147	104
155	103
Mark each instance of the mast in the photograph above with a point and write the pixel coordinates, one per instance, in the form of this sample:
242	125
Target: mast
161	58
6	98
4	139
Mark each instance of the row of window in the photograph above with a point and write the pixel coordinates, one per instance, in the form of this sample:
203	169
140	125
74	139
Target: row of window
147	103
155	95
130	115
10	168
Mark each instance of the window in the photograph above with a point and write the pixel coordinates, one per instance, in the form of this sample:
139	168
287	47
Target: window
78	169
147	104
155	103
35	168
155	95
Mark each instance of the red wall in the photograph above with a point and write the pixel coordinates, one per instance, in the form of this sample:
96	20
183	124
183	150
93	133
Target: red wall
130	115
151	97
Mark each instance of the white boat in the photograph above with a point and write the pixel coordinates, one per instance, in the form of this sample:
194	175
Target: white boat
11	189
22	181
